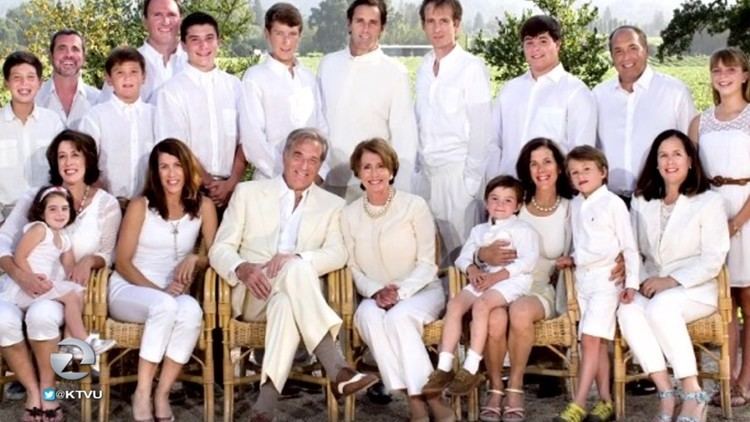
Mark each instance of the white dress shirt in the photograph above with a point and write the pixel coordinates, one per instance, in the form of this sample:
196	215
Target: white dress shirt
557	105
85	98
629	121
454	113
274	103
521	235
200	109
364	97
601	230
289	217
124	134
23	147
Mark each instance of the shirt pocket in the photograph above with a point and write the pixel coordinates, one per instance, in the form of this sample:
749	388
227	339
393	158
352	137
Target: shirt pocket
8	153
550	122
229	121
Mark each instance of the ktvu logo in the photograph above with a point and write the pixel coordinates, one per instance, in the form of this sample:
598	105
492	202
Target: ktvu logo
60	361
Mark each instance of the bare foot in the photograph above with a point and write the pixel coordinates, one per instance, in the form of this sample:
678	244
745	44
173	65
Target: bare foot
440	410
417	408
141	406
162	409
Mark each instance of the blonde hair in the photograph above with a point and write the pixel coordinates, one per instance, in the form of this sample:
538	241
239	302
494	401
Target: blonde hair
730	56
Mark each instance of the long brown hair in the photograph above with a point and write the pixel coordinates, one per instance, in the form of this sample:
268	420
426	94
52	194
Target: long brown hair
730	56
191	196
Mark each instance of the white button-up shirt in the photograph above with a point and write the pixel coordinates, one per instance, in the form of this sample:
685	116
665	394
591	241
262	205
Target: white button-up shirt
557	105
23	148
200	109
124	134
601	230
629	122
85	98
274	103
289	217
364	97
454	113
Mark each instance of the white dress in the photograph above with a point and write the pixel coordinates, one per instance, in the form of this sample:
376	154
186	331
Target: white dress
43	259
725	151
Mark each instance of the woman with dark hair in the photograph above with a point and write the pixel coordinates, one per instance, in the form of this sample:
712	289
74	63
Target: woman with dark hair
540	168
682	234
73	162
155	266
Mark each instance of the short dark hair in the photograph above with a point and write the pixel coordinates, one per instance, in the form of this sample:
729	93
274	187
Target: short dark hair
455	5
36	211
650	184
124	54
588	153
65	31
379	147
284	13
153	190
642	38
539	24
197	18
504	181
523	169
147	3
380	4
21	57
83	143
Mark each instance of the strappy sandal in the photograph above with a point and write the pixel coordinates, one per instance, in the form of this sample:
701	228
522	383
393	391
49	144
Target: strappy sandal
32	415
54	415
164	419
738	397
514	414
700	397
492	413
665	417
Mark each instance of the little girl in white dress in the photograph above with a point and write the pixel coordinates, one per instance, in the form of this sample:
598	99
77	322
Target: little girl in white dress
45	249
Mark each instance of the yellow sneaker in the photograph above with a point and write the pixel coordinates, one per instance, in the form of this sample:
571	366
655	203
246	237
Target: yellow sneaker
571	413
603	411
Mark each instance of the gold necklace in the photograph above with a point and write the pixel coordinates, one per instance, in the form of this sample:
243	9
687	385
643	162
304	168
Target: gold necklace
83	202
377	212
545	209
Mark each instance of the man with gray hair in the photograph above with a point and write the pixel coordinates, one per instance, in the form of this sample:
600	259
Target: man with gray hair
277	238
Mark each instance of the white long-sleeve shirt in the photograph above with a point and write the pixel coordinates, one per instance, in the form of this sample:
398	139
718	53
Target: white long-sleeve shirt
124	134
601	230
86	97
274	103
629	121
454	114
557	105
364	97
23	148
200	109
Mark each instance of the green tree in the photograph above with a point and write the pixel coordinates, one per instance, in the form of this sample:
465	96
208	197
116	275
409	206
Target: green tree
715	17
328	22
234	16
583	51
404	26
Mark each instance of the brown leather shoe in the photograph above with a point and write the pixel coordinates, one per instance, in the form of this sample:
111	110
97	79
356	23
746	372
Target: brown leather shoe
261	417
348	381
437	381
464	382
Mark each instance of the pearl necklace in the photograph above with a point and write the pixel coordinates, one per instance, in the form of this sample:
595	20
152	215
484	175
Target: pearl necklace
545	209
83	202
377	212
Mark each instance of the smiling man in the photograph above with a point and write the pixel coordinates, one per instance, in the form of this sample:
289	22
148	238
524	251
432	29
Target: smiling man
546	101
199	107
366	95
65	92
635	106
278	95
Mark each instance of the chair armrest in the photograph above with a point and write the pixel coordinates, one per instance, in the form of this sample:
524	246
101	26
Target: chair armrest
333	290
209	299
725	298
456	281
96	296
225	298
570	290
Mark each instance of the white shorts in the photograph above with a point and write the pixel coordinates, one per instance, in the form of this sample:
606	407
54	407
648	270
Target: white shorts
511	289
598	299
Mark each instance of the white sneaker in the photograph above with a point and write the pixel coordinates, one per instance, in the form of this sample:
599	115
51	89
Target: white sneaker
100	346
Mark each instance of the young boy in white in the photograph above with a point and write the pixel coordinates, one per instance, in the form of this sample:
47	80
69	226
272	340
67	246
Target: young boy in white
489	288
123	125
601	231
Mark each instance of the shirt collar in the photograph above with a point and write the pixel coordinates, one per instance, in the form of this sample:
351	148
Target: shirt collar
646	77
553	75
600	191
494	222
123	106
9	115
278	67
285	190
450	59
199	76
80	86
154	56
370	56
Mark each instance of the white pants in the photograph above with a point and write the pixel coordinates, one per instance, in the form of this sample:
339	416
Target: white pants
172	324
395	337
43	321
296	310
657	327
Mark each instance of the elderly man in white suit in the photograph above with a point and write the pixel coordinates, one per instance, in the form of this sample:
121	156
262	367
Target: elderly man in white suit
277	238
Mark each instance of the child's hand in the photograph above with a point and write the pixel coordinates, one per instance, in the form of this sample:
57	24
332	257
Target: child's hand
475	276
564	262
490	279
627	295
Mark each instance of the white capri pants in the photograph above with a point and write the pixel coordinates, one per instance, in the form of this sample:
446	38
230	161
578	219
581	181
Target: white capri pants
43	321
657	327
173	324
395	337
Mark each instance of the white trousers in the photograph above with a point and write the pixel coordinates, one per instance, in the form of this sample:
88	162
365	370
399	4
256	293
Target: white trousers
395	337
43	321
296	310
172	324
657	327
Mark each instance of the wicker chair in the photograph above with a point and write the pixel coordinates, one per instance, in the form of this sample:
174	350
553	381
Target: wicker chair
128	337
248	336
354	347
709	331
88	321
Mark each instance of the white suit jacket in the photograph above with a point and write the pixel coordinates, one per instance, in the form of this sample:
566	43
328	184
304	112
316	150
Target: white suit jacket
250	232
693	247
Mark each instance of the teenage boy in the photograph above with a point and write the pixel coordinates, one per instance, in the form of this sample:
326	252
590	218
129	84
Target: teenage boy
278	94
123	125
199	106
25	131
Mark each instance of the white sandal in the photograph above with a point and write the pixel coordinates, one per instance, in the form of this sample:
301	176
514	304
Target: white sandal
492	413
